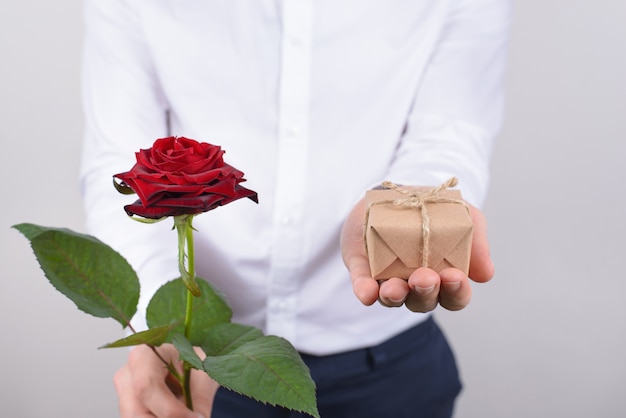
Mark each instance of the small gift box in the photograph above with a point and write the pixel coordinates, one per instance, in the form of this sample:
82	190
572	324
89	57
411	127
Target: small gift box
408	229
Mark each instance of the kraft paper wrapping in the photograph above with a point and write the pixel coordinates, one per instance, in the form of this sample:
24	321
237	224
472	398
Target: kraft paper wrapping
395	235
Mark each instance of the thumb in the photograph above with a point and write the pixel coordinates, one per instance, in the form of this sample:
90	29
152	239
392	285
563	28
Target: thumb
481	267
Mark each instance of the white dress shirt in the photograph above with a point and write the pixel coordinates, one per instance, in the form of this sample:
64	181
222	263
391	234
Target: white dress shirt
316	101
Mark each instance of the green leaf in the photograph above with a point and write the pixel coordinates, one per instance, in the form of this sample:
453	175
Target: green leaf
265	368
90	273
152	336
225	338
169	304
186	351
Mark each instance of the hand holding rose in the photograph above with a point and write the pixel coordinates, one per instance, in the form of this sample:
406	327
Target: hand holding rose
143	390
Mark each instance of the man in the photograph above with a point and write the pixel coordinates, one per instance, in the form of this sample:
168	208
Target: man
316	101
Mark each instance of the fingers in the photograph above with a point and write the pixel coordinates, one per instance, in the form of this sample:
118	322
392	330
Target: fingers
424	285
353	253
364	286
481	267
129	404
203	390
425	288
366	289
142	389
450	288
393	292
147	374
456	291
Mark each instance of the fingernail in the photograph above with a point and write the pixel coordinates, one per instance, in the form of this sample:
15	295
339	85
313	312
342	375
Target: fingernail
452	286
424	290
399	300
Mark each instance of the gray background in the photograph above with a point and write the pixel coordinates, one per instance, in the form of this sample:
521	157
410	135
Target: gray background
544	339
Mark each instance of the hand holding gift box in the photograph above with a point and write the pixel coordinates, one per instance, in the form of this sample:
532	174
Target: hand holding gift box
419	289
408	229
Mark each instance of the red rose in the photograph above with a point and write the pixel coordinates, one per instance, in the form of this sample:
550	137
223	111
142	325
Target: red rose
181	176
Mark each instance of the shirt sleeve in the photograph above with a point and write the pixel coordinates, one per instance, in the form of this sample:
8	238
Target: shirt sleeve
125	110
458	107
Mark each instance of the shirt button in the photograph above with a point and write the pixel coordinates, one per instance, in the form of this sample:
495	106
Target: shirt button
286	220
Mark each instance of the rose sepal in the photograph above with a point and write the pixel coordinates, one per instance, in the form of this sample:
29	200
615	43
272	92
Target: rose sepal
122	187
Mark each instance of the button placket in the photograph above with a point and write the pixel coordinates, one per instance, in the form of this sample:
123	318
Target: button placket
293	138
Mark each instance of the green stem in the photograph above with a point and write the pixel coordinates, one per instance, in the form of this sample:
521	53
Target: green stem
188	311
186	260
191	270
186	265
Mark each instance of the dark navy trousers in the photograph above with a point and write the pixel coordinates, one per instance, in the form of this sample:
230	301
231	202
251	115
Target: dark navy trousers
412	375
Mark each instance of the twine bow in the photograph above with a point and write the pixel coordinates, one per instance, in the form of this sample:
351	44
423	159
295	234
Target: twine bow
418	200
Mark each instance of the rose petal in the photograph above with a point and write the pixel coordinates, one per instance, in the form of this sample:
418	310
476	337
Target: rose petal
179	176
